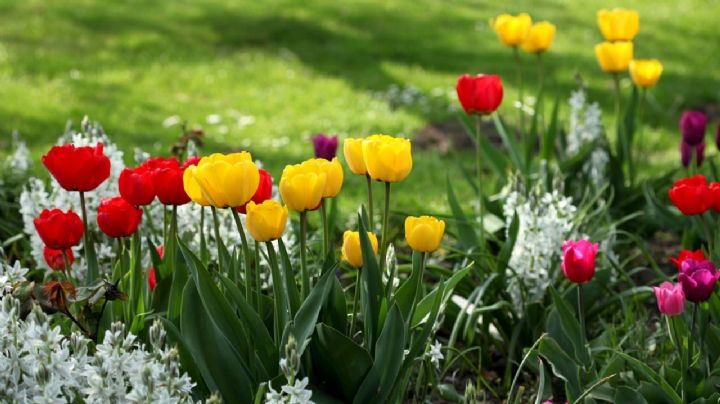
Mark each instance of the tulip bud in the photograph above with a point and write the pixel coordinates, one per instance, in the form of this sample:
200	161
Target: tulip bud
352	149
690	195
578	262
688	152
387	158
670	298
614	57
117	218
539	38
302	186
618	24
692	127
54	258
77	168
698	279
479	94
266	221
136	186
351	250
424	233
510	29
168	181
325	146
645	73
59	230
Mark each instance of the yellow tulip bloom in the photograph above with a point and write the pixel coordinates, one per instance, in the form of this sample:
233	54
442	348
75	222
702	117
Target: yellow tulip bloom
645	72
192	187
266	221
387	158
352	149
618	24
510	29
539	38
222	180
424	233
333	172
351	251
302	186
614	57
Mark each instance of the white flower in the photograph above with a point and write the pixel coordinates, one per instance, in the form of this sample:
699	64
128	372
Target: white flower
298	393
585	129
435	354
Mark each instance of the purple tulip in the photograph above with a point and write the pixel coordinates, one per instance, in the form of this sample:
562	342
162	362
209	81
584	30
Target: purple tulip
670	298
698	279
686	152
692	127
325	146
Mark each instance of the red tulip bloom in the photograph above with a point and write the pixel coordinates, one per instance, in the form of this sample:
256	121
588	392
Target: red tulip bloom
578	263
263	192
480	94
136	186
152	280
55	260
691	195
117	218
698	255
78	168
191	161
59	230
714	189
168	182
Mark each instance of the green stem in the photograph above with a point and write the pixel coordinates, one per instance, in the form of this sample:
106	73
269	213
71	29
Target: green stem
518	67
418	288
258	283
246	253
326	231
370	203
581	311
216	227
277	290
691	338
478	162
681	359
621	138
148	216
87	244
355	303
66	261
384	239
639	131
303	260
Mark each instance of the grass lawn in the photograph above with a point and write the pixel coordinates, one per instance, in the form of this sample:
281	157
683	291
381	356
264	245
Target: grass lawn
266	75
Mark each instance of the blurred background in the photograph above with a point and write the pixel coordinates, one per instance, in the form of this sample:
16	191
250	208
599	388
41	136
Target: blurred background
267	75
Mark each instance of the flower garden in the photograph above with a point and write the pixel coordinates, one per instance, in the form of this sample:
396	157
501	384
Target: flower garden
559	272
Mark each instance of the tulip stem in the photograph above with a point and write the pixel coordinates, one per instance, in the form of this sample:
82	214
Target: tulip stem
581	311
216	227
518	67
258	284
246	253
277	289
641	113
621	135
66	261
384	240
370	202
355	302
678	344
418	286
87	245
478	162
691	336
326	231
146	210
303	261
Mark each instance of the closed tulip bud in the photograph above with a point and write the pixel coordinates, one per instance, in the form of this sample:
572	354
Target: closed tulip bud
692	127
614	57
618	24
387	158
152	276
352	149
325	146
578	262
54	258
479	94
698	255
263	192
698	279
645	72
539	38
266	221
333	175
59	230
136	186
117	218
511	29
670	298
691	195
222	180
302	186
351	250
424	233
688	152
168	182
78	168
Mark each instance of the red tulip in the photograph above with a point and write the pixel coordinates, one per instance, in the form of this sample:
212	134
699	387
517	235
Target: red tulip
59	230
263	192
78	168
152	280
691	195
168	181
136	186
191	161
578	263
480	94
117	218
698	255
55	260
714	189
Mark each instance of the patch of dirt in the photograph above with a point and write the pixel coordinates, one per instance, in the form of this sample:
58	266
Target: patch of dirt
451	135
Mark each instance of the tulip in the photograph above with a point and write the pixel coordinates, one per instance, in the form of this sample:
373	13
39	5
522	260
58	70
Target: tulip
59	230
645	72
56	293
614	57
698	279
333	175
325	146
387	158
424	233
352	149
511	30
697	255
670	298
152	278
302	186
136	185
222	180
117	218
263	192
351	250
167	181
690	195
54	258
266	221
479	94
687	151
692	127
714	196
618	24
77	168
191	161
578	261
539	38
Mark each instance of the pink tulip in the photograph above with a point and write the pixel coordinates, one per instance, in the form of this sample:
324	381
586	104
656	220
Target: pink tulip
578	262
698	279
670	298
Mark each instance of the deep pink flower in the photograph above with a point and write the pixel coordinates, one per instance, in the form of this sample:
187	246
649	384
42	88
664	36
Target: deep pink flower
670	298
578	262
698	279
325	146
692	127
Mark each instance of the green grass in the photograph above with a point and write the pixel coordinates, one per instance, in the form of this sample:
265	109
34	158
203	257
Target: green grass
301	67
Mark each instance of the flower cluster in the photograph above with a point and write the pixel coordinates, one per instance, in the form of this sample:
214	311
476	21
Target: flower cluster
586	128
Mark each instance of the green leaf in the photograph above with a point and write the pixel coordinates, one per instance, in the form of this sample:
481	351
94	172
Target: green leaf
335	308
371	290
507	247
306	317
625	394
511	145
292	290
571	328
563	366
498	162
406	293
466	233
548	142
187	362
648	374
424	307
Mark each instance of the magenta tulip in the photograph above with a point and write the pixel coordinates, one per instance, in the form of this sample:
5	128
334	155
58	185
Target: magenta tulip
698	279
325	146
692	127
578	262
670	298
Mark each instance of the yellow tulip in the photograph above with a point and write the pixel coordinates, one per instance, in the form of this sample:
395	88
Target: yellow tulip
302	186
614	57
510	29
424	233
352	149
618	24
266	221
351	251
387	158
192	187
539	38
222	180
333	175
645	72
